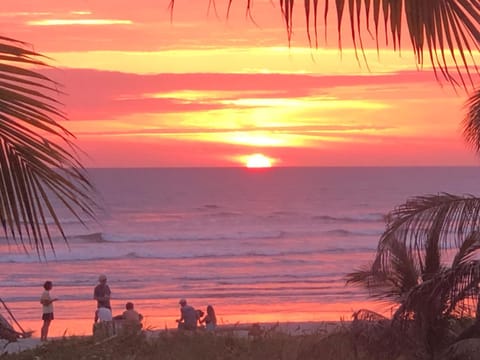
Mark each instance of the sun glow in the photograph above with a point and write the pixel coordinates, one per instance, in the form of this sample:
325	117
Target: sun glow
258	161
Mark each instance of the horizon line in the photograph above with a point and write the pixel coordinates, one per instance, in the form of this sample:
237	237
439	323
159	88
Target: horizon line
278	167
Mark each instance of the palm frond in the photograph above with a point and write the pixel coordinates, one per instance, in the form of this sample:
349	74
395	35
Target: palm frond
405	273
381	286
447	32
37	172
390	282
448	289
376	282
467	249
471	122
444	217
367	315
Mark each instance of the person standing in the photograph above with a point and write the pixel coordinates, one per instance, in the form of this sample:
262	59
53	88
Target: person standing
188	316
47	309
102	294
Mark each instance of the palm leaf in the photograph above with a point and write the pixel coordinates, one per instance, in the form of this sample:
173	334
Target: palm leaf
390	282
39	170
467	250
471	122
448	289
447	31
444	217
367	315
417	234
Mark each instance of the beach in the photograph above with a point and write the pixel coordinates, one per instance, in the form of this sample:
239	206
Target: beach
266	246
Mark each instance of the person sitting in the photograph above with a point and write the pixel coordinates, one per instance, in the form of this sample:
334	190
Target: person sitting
130	319
210	319
131	315
199	314
188	316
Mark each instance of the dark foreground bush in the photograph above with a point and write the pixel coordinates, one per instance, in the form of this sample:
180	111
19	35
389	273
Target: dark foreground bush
347	343
178	346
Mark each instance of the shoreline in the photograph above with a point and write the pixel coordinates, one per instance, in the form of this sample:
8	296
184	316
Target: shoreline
80	321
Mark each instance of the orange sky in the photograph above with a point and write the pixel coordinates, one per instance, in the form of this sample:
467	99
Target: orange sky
204	91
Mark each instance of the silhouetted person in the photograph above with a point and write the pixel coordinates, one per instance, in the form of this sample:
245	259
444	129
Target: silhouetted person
47	309
102	293
210	319
188	316
131	315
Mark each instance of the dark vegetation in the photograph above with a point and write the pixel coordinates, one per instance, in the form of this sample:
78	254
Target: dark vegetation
372	339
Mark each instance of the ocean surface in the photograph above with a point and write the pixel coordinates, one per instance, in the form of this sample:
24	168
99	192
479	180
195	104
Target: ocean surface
258	244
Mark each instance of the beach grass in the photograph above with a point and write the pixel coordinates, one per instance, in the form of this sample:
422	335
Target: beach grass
197	346
341	343
362	341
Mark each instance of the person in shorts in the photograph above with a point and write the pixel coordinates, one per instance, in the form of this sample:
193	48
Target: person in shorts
47	309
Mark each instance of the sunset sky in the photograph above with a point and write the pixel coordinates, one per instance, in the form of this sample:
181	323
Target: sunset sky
143	90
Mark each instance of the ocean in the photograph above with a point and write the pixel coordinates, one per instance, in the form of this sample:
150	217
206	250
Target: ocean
260	245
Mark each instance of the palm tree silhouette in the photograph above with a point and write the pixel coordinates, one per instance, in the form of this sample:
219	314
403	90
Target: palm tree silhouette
39	169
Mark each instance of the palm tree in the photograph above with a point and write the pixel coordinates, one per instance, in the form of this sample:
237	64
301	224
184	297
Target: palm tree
39	168
423	285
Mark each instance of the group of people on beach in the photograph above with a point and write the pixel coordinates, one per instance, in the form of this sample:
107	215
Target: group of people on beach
103	314
190	318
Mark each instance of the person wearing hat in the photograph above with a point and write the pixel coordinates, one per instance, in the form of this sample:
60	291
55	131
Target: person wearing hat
188	316
102	293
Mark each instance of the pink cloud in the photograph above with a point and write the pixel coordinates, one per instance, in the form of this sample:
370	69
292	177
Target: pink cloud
96	95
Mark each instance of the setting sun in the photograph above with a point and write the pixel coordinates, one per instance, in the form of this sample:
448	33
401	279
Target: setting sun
258	161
